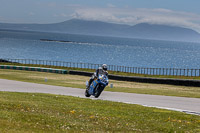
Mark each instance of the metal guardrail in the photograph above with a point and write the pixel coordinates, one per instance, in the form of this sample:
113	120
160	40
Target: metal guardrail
135	70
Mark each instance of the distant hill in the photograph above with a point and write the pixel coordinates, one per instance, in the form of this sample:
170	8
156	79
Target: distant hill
142	30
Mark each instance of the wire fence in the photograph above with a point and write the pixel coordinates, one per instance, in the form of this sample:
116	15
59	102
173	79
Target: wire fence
135	70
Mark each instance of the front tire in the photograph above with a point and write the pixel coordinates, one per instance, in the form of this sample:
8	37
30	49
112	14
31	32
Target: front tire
87	93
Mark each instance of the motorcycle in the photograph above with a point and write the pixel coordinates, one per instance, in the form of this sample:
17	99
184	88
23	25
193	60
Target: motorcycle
97	86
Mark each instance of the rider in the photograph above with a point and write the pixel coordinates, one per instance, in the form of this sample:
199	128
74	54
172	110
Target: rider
100	70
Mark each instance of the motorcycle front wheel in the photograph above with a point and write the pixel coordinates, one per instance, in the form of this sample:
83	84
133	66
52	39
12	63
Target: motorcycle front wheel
87	93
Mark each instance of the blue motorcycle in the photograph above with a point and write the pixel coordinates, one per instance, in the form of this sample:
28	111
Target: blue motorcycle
97	86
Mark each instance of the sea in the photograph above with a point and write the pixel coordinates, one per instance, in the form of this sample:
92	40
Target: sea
99	50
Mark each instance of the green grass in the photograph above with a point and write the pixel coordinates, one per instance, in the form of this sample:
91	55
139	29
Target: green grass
119	86
28	112
110	72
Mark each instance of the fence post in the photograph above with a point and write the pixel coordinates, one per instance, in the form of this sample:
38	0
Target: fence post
184	73
191	72
195	72
150	71
199	72
153	71
147	72
167	70
181	72
156	71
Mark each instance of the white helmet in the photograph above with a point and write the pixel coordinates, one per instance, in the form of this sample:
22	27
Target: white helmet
104	67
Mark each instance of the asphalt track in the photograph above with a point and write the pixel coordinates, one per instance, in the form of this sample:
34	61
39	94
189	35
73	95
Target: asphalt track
188	105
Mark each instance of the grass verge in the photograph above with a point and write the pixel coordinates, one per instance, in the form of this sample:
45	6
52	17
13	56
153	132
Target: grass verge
28	112
119	86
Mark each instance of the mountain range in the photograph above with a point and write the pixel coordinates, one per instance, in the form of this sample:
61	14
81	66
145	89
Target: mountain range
98	28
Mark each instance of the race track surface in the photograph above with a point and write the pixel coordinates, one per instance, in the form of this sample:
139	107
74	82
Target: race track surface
188	105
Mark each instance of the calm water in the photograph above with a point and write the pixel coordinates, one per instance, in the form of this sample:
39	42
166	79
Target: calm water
91	49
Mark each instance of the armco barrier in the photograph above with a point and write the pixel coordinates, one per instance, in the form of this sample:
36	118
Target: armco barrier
80	73
39	69
181	82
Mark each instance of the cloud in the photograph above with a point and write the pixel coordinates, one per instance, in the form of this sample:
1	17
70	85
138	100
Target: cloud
140	15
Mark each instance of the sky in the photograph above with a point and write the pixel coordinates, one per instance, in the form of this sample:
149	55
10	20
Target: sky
183	13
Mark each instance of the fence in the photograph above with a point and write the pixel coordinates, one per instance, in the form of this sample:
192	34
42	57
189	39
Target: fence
135	70
39	69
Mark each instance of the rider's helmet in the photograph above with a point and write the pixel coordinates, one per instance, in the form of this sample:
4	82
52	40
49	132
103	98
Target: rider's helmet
104	67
